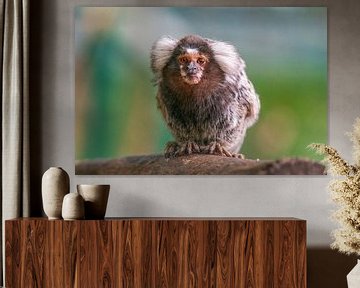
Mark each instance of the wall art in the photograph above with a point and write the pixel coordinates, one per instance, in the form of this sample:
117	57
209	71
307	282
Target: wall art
200	90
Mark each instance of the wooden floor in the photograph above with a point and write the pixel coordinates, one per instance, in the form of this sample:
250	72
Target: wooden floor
328	268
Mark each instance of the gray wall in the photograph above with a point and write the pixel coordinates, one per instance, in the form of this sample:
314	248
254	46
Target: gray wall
52	126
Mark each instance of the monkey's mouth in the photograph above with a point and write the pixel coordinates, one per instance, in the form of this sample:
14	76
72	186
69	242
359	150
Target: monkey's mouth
192	79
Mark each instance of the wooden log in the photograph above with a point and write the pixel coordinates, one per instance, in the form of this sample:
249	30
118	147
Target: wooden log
197	164
156	252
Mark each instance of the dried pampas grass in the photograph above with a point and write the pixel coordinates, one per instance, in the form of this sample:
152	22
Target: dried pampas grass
345	191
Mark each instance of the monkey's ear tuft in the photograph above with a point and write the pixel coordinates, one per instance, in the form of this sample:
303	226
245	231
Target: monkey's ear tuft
227	57
161	52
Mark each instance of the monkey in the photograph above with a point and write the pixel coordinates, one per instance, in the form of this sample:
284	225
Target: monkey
204	95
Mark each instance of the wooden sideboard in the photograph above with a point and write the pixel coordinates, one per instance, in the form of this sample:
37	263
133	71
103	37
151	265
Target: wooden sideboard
156	252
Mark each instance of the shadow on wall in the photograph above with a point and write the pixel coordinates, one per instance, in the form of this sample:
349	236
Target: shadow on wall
328	268
36	96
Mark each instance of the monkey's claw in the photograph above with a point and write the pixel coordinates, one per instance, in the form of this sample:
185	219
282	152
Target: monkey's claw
188	148
170	149
238	155
215	148
174	149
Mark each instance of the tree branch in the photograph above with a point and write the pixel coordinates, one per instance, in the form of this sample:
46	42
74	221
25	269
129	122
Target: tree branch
197	165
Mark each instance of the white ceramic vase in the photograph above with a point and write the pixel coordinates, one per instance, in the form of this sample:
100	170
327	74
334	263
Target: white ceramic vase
55	185
96	198
353	278
73	207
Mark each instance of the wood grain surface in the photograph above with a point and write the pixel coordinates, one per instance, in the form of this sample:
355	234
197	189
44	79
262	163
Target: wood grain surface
159	252
197	164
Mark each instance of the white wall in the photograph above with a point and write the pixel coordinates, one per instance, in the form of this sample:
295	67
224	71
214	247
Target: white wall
297	196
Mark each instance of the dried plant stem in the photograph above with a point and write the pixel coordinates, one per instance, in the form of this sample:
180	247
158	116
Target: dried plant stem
345	192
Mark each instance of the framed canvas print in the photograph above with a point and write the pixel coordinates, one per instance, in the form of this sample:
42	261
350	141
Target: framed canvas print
200	90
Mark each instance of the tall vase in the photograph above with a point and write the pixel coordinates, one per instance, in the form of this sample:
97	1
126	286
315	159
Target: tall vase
353	278
55	185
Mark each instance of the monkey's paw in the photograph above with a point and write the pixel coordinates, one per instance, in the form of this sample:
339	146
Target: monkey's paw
175	149
215	148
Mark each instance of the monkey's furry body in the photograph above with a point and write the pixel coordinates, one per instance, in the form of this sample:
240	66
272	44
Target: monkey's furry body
204	95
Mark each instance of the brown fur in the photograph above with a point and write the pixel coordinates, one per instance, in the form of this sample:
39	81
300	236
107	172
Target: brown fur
210	115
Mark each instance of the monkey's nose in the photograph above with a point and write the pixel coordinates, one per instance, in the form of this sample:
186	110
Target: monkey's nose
192	69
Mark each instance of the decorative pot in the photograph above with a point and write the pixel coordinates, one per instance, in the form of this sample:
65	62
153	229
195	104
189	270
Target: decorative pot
73	207
353	278
95	197
55	185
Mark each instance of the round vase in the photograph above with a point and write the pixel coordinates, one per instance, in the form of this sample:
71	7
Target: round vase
73	207
96	198
55	185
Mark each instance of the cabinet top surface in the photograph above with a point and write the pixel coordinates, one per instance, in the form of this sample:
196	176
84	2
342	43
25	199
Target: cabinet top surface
174	219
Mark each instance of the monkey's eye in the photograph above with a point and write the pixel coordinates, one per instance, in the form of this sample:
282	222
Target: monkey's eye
183	60
201	61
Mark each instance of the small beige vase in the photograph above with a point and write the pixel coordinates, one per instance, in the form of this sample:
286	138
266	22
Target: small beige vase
73	207
55	185
96	198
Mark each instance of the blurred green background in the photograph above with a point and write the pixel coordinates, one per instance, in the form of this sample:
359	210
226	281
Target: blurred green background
285	50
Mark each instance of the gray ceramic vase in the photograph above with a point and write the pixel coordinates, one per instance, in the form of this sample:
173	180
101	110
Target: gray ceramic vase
96	198
55	185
